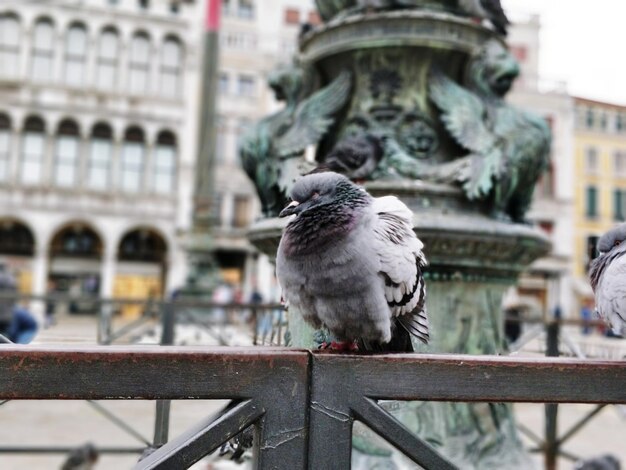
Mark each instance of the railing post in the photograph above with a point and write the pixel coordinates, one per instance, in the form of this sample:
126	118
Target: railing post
105	323
162	415
255	315
167	324
551	409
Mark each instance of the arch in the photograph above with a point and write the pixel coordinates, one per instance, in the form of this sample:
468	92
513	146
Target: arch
134	134
166	137
102	130
9	44
76	239
172	54
107	60
132	160
143	244
5	146
164	166
76	44
5	121
32	150
42	53
68	126
34	123
100	156
139	63
16	238
66	154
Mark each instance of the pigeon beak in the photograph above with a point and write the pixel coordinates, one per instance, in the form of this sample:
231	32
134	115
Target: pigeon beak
290	209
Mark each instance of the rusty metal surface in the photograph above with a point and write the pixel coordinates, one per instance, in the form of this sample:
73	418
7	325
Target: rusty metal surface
476	378
303	404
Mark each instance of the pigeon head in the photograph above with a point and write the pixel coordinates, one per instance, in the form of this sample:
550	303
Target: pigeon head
612	239
322	189
610	246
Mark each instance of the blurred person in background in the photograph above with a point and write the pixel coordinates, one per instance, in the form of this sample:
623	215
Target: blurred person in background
50	305
16	322
586	313
222	295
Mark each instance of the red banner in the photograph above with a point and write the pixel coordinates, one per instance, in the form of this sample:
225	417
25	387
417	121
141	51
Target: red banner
212	18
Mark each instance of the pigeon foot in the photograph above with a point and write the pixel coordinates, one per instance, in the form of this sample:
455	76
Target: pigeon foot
340	346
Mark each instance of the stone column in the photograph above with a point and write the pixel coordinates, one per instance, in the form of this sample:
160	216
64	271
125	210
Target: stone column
107	272
40	279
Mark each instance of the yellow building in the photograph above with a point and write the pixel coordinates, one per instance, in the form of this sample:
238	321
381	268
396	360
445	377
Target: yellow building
599	179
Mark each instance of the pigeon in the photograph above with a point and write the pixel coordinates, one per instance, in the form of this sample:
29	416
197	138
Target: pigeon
487	9
351	263
607	274
81	458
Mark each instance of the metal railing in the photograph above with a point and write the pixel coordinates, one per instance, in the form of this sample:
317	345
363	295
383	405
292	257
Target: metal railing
303	405
207	316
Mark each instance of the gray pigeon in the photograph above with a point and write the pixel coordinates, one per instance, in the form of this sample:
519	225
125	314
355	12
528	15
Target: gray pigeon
608	278
351	263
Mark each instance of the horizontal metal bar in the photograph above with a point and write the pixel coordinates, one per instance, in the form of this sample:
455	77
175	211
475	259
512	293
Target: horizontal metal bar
139	372
66	450
147	372
178	303
476	378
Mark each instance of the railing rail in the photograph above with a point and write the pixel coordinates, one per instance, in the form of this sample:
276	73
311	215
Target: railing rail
302	404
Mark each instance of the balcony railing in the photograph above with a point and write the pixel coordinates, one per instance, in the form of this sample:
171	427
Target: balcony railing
302	404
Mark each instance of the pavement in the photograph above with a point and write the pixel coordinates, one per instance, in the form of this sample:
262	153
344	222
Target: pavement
71	423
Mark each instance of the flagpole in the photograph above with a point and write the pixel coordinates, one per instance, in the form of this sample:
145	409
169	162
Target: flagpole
202	276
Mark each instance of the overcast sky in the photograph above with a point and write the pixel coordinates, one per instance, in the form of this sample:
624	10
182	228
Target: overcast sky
583	43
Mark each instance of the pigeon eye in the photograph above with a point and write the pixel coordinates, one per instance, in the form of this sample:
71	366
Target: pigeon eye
617	242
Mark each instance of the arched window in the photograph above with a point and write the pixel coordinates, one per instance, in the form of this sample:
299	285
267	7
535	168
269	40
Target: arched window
66	154
165	163
108	51
142	245
132	160
32	153
99	169
43	51
139	67
76	241
75	55
9	46
171	65
16	238
5	147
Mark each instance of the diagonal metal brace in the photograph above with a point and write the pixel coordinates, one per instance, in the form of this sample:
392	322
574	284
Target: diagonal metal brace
203	439
387	426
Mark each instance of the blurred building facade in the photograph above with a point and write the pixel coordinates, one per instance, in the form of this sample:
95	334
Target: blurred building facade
255	38
98	117
549	280
98	138
599	181
96	143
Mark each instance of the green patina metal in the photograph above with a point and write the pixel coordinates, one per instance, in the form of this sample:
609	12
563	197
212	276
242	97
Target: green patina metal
428	83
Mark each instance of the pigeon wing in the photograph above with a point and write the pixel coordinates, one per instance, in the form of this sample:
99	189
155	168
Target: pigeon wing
401	263
611	295
314	116
464	116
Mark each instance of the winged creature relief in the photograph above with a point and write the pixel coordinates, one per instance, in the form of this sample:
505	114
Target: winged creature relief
508	147
270	151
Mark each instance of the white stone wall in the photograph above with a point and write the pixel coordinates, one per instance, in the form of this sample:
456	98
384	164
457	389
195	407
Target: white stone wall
45	208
